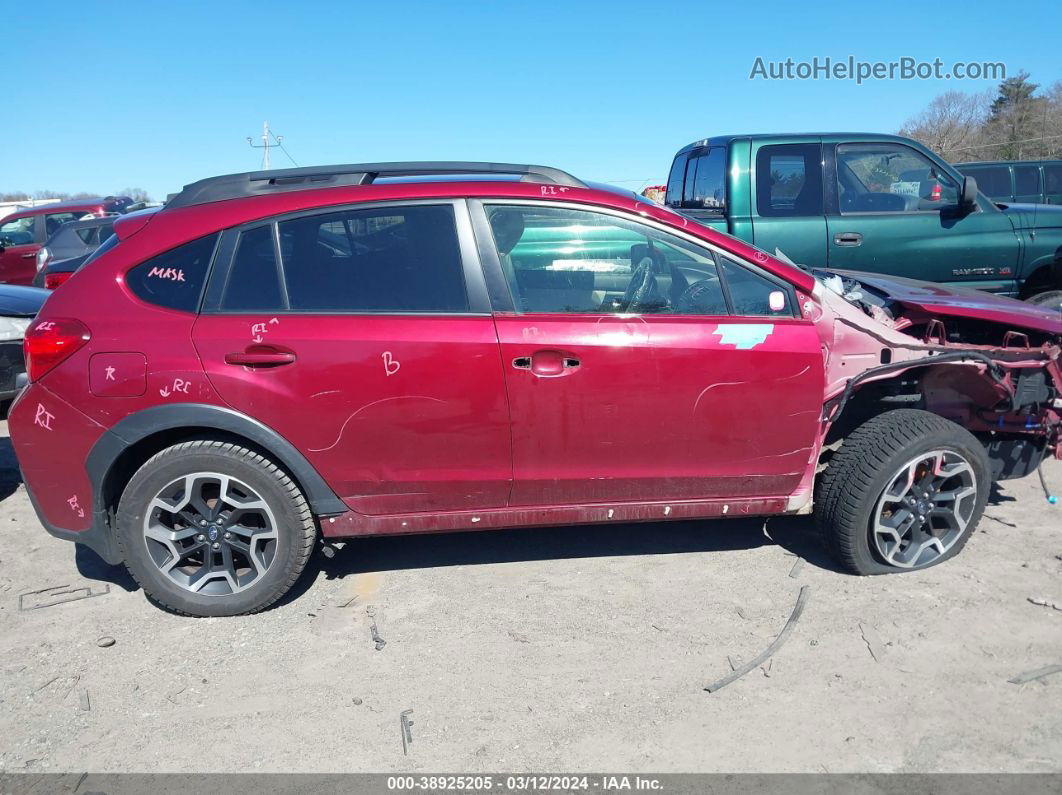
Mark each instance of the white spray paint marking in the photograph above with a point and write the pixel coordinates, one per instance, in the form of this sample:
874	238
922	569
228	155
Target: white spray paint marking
110	373
179	385
48	325
391	365
44	417
667	510
72	502
743	336
172	274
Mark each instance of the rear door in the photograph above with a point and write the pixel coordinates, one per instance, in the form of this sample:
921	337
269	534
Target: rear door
788	211
20	238
893	210
363	336
641	365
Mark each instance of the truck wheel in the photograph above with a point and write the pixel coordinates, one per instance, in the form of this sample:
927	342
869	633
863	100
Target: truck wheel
904	492
1052	299
210	528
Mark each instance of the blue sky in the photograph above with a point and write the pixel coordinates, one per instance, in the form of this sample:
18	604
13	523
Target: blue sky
99	97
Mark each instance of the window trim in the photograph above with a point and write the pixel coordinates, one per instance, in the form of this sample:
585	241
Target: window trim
485	240
475	289
836	210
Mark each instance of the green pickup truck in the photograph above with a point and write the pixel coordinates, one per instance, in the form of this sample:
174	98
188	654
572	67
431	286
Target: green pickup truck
867	202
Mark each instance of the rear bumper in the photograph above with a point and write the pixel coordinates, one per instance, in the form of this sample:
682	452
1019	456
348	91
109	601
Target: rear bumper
97	537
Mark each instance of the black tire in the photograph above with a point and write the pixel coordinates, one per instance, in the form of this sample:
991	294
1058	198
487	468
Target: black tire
1052	299
869	461
294	526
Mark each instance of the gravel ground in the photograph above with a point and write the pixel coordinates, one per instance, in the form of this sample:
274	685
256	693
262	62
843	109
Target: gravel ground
569	649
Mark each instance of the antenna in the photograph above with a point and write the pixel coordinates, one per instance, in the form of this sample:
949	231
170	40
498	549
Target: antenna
264	146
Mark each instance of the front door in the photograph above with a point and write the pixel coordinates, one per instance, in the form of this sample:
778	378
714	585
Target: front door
353	335
19	241
895	212
633	374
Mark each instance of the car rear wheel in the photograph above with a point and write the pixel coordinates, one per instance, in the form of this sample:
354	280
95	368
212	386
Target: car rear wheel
209	528
904	492
1052	299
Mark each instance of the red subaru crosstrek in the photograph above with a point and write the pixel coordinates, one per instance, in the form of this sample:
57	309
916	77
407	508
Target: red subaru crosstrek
403	348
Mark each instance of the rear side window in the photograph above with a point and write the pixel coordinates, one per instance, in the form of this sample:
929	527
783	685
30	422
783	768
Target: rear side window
386	259
789	181
174	279
1026	180
993	181
254	280
705	185
87	235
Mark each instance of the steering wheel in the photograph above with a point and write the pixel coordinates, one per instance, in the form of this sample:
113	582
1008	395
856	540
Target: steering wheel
642	286
690	298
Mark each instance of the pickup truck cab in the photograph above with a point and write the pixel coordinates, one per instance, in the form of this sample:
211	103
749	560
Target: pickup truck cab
868	202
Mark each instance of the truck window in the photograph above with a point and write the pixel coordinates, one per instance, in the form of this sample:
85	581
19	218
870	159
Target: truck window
705	182
1053	178
675	181
891	178
789	180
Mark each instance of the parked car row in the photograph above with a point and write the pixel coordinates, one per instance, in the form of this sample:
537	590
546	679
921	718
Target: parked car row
23	233
282	358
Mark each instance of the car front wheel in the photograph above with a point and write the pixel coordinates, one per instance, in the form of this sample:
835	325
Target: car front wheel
210	528
904	492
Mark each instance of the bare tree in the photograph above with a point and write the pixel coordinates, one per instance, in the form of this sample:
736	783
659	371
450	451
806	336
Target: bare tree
952	125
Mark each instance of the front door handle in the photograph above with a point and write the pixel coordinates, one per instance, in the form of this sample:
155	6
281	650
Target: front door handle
263	356
30	256
547	364
848	239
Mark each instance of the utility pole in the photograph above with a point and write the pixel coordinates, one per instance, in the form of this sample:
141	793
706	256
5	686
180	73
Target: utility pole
264	146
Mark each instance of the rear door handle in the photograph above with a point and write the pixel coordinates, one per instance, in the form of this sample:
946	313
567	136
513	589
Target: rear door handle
260	357
848	239
547	363
29	256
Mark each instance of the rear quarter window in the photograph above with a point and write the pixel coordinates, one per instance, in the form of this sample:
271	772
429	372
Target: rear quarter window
174	279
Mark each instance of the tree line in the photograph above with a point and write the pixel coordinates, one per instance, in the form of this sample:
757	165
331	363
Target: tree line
1017	121
136	194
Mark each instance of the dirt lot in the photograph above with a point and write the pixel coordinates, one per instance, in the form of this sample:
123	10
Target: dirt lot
548	650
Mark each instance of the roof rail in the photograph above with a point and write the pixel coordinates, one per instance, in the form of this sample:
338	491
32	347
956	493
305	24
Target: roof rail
257	183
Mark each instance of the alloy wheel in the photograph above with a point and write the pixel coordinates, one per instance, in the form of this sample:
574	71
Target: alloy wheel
210	534
924	510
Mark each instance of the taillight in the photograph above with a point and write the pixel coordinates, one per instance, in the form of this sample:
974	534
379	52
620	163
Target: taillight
934	195
53	280
48	342
44	256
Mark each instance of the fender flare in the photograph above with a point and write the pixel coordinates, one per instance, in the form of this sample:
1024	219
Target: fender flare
142	424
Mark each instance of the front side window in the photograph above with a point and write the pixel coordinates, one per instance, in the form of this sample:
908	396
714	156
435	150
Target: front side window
789	181
891	178
1026	180
570	261
389	259
18	232
705	181
173	279
752	294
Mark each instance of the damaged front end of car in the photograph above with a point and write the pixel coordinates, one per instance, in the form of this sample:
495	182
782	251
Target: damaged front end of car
989	364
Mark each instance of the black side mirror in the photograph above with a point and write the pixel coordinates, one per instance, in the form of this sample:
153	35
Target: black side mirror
968	196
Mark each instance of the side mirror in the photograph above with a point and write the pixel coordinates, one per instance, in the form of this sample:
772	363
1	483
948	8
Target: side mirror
968	195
